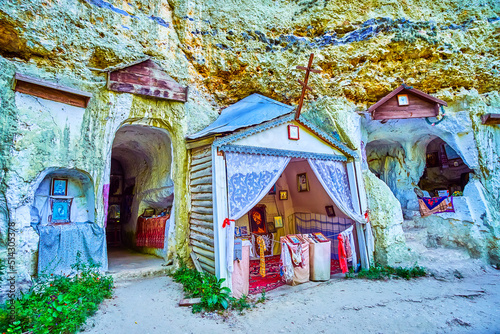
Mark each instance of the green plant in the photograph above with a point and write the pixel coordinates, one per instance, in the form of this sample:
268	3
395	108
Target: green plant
262	297
379	272
209	288
58	304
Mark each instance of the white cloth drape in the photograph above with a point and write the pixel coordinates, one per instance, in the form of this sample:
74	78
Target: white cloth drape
249	179
333	177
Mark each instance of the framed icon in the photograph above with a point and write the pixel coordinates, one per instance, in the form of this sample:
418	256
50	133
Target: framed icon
283	195
302	182
61	209
293	132
270	227
330	212
257	219
59	187
272	191
403	100
278	222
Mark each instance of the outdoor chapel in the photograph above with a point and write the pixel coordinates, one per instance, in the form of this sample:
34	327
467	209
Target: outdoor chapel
285	195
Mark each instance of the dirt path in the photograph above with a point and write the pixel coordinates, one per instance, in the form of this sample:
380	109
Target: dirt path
468	305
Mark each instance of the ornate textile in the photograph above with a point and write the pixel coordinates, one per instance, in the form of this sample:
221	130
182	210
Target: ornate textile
431	205
333	177
151	232
262	264
60	244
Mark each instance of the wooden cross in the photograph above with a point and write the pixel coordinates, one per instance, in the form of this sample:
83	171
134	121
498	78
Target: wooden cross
308	70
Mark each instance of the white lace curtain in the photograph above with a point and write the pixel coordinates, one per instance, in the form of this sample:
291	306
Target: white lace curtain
333	177
249	179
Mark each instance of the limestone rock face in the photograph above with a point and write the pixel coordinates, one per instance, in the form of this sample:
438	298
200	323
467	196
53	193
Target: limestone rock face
225	50
386	218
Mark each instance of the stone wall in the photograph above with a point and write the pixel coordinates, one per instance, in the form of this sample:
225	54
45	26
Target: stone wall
225	50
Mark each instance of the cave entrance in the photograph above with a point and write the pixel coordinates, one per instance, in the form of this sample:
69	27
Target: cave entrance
141	193
445	172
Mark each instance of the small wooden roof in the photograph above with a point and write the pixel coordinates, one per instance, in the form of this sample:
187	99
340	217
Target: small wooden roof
411	90
145	77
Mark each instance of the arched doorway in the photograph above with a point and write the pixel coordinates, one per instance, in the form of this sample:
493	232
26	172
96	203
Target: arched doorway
140	190
445	172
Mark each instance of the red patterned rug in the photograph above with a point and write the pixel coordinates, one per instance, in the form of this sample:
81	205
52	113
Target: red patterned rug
272	280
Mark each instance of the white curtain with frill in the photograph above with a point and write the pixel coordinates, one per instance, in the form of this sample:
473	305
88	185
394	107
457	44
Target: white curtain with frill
249	179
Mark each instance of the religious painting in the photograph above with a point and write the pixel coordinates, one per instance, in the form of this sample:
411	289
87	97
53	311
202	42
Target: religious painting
150	212
432	160
283	195
270	227
320	237
59	187
294	239
60	210
302	182
243	231
278	222
257	218
330	212
293	132
115	185
272	191
403	100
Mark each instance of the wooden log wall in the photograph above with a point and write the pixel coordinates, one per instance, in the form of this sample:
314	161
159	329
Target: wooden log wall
201	235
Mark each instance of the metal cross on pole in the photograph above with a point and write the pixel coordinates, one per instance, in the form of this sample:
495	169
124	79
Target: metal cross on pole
308	69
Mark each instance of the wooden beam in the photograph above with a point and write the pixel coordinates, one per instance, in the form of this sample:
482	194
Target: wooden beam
50	91
489	119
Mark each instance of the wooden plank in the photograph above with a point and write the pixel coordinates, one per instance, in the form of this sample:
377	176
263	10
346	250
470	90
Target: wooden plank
190	301
201	245
401	89
208	268
490	119
209	232
202	223
203	252
202	173
206	165
206	204
207	180
147	90
201	158
53	94
403	115
206	260
202	210
202	196
200	143
201	238
202	217
195	262
48	84
202	189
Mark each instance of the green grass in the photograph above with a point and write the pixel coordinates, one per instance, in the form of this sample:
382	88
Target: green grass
57	304
379	272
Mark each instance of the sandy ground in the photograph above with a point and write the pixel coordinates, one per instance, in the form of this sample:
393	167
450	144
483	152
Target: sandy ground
426	305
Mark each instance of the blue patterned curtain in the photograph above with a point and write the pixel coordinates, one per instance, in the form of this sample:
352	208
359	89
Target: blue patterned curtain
249	179
333	177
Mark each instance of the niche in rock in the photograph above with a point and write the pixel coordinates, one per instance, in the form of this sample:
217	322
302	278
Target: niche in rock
444	169
140	184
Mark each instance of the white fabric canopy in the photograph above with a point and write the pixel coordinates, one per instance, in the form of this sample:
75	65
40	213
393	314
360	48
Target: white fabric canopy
333	177
249	179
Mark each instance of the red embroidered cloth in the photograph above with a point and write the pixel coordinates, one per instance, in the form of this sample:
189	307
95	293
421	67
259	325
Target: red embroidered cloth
151	232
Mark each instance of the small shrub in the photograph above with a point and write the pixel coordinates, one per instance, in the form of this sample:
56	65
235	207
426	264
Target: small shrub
378	272
58	304
209	288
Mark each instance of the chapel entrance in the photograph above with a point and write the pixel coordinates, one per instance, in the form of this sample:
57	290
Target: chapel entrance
296	206
141	192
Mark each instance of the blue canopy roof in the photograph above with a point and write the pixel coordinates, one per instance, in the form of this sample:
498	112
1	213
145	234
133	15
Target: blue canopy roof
251	110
